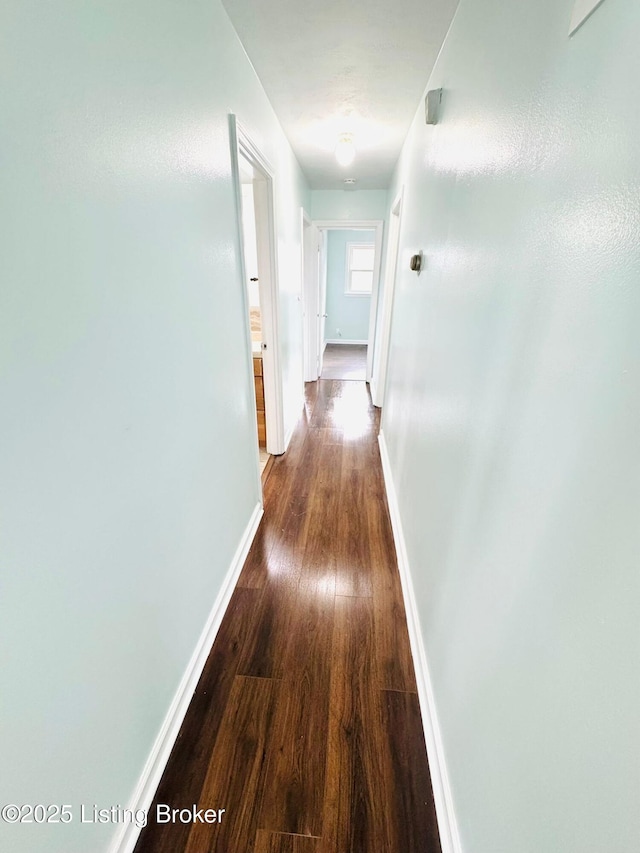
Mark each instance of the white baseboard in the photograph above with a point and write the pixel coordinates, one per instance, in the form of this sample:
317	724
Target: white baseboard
127	835
344	341
447	825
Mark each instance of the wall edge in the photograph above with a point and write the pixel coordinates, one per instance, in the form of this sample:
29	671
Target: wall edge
127	834
447	824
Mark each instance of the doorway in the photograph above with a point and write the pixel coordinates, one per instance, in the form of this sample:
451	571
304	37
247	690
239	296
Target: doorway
341	294
253	177
252	280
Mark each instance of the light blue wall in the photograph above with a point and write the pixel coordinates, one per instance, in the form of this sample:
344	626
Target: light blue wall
347	316
351	204
513	417
127	433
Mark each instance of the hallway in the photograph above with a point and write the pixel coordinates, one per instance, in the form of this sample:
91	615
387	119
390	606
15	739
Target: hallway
345	361
305	726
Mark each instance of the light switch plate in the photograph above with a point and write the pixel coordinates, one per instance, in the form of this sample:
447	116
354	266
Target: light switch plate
432	102
581	11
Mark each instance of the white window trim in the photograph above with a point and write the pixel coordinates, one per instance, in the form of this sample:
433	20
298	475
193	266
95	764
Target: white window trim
347	276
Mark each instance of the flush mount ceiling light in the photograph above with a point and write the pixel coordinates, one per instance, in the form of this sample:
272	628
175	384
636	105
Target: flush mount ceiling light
345	149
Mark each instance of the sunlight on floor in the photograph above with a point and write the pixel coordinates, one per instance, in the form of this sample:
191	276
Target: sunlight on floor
348	412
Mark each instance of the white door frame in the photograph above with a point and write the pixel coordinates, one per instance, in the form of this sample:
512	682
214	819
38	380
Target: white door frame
309	243
323	268
375	225
381	361
242	144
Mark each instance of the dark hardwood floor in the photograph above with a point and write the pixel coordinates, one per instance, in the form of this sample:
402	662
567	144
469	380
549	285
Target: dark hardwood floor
345	361
305	726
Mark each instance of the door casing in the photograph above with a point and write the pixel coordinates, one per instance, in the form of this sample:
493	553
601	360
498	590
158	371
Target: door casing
314	326
243	145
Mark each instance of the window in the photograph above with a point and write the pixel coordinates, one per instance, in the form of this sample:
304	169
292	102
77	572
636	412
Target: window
360	258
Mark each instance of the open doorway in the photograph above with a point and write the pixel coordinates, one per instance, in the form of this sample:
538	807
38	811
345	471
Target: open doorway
254	185
341	290
350	256
252	279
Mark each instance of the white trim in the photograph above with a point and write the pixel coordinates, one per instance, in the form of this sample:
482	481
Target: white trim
127	834
382	346
309	244
350	245
376	225
344	341
323	268
264	200
447	825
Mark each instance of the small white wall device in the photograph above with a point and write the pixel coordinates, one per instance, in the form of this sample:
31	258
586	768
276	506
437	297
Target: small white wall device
432	103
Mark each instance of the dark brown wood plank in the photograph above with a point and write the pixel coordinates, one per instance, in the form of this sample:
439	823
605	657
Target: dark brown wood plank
353	563
322	411
322	510
282	842
413	814
305	723
253	574
394	661
360	453
358	766
187	767
236	769
292	474
331	436
268	635
345	361
293	798
267	469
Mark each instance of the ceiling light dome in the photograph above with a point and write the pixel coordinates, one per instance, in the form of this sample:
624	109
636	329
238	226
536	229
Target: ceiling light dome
345	150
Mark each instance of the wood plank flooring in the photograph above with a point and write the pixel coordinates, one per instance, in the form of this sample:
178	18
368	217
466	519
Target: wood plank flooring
345	361
305	726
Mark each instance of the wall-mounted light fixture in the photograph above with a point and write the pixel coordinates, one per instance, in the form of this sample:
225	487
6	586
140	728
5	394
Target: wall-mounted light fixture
345	149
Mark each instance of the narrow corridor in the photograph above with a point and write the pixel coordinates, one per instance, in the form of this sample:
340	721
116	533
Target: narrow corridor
345	361
305	726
